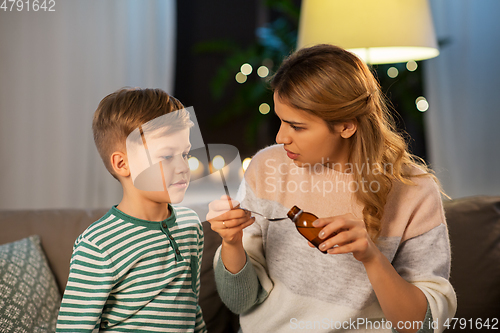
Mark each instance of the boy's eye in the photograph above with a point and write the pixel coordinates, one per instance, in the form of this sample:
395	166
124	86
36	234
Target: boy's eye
171	157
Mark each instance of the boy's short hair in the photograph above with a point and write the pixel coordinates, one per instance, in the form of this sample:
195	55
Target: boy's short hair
121	112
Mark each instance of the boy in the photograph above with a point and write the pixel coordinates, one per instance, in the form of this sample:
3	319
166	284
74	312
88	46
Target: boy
137	268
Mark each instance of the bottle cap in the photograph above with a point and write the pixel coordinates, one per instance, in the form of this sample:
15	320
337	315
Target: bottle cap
294	213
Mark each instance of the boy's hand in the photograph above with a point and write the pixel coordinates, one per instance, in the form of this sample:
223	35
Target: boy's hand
228	220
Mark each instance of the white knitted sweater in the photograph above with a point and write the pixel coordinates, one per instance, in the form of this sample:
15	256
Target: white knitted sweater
290	286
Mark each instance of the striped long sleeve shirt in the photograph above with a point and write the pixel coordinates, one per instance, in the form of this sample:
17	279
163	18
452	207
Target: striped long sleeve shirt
132	275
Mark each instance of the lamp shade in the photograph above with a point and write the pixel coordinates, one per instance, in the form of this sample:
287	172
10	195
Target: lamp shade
378	31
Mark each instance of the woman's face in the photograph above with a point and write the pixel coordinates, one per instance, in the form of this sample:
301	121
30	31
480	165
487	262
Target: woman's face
308	140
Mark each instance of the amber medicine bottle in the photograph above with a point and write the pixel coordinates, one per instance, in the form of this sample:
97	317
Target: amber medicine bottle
303	222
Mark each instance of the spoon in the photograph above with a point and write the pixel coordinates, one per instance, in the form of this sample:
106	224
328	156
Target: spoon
247	210
267	218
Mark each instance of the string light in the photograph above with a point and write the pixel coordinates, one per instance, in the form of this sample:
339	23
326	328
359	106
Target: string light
246	69
392	72
262	71
245	163
422	104
193	163
264	108
218	162
411	66
240	77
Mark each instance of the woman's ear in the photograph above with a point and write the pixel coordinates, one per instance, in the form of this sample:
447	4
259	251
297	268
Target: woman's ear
119	163
346	129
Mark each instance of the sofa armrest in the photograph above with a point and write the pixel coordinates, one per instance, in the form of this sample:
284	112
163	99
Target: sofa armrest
57	228
474	227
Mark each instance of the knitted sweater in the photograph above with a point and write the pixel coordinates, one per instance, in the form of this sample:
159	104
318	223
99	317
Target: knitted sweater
288	286
132	275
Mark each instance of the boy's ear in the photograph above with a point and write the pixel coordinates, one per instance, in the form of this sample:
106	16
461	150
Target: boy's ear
347	128
119	163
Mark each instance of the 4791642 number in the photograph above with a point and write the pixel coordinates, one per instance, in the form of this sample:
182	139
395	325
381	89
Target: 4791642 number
472	324
28	5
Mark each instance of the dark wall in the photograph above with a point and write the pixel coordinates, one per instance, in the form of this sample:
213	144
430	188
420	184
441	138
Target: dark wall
200	21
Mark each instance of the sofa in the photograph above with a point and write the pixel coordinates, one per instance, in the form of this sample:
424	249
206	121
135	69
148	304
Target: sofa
36	247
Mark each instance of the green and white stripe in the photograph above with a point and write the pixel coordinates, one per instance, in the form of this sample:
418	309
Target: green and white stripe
131	275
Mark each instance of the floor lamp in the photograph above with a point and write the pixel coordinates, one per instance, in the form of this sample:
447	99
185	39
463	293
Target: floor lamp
378	31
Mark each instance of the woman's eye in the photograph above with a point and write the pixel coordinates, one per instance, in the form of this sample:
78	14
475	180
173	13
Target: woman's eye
169	157
296	128
186	156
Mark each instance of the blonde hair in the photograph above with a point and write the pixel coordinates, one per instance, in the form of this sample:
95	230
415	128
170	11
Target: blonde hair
335	85
124	110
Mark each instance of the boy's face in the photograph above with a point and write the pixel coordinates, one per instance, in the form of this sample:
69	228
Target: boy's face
163	169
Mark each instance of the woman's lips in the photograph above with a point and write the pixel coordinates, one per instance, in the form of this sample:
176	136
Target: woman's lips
291	155
180	184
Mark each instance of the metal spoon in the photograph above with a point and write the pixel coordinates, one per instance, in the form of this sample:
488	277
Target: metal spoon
267	218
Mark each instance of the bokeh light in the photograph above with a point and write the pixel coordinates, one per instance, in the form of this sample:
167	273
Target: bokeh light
264	108
246	69
262	71
193	163
241	78
218	162
392	72
246	163
411	66
422	104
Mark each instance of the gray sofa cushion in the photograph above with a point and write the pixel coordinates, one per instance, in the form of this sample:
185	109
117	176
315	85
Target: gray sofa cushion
29	299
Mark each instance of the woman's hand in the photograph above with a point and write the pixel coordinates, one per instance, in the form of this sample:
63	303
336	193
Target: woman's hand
227	220
349	236
400	300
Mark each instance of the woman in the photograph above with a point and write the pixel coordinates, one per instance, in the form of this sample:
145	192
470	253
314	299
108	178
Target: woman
339	157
